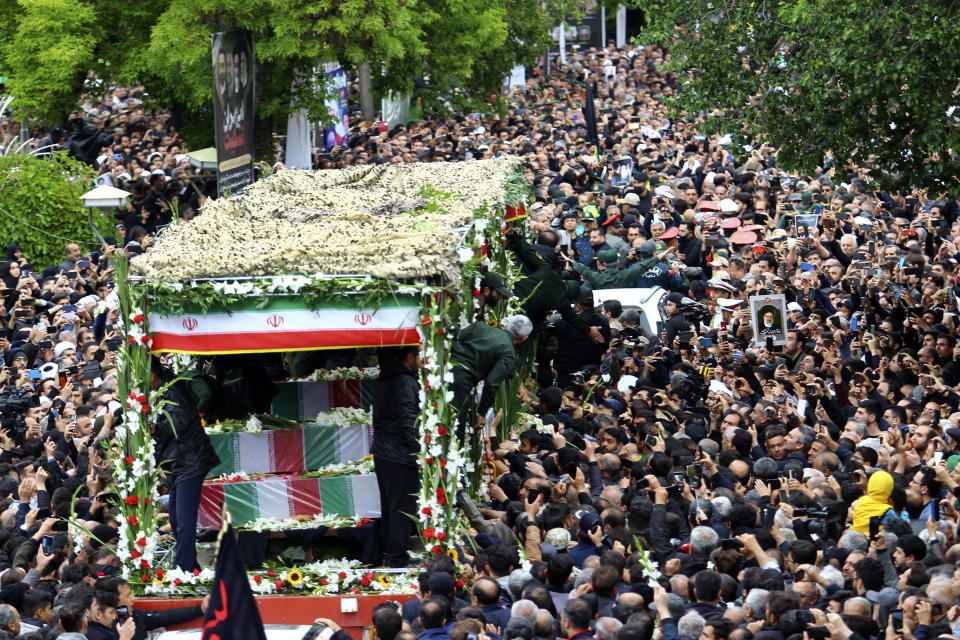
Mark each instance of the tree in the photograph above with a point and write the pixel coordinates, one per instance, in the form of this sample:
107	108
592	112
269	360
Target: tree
51	52
828	83
40	206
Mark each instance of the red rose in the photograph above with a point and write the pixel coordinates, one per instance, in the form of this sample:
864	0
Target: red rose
460	584
436	549
196	572
141	398
426	320
135	554
427	438
132	500
426	511
145	408
131	340
160	573
137	319
365	581
133	396
442	431
440	536
439	332
141	542
323	582
145	339
133	521
443	463
146	502
342	575
257	579
270	573
279	583
426	384
145	578
428	533
144	565
128	459
441	491
356	590
442	500
176	581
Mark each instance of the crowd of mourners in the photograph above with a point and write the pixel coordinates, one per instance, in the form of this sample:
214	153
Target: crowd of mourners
686	482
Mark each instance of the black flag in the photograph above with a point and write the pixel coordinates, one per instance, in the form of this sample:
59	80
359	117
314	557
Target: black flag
232	613
590	111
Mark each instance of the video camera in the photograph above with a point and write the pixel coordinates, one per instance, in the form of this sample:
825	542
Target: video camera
691	389
694	312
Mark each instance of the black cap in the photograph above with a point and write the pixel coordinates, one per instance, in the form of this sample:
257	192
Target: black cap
442	583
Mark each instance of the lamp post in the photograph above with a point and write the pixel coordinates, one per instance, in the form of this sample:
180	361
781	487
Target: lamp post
103	197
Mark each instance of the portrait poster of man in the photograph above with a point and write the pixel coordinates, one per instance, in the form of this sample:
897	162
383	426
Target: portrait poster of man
622	172
234	69
806	224
768	314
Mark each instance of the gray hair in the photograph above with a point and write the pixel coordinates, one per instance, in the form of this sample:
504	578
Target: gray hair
690	626
940	590
722	505
545	624
703	540
849	236
607	628
517	581
518	326
585	576
525	609
756	601
7	615
832	575
853	541
765	468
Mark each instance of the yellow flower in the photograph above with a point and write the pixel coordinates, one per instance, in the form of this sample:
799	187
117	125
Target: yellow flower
294	578
453	554
384	579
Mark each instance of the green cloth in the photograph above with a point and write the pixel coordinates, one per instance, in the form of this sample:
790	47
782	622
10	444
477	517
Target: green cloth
200	390
611	278
481	352
543	290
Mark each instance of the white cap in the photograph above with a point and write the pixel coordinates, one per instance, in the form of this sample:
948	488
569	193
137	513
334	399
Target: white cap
718	387
794	306
518	326
665	192
728	206
63	346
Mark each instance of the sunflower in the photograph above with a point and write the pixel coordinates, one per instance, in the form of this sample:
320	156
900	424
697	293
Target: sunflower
384	579
294	577
453	554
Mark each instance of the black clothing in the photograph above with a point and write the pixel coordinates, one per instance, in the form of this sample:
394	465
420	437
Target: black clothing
578	349
185	444
396	405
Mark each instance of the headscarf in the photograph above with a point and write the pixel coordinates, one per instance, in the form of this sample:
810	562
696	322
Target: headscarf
875	504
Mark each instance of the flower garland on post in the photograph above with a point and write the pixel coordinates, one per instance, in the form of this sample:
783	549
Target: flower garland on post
135	474
441	460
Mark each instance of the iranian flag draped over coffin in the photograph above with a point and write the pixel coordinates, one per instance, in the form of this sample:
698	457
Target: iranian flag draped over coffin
284	323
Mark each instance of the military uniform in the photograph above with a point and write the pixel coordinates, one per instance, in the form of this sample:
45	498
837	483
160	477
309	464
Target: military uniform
613	277
543	290
480	352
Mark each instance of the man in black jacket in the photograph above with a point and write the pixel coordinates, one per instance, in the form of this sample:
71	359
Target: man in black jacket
396	406
147	620
186	445
579	349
